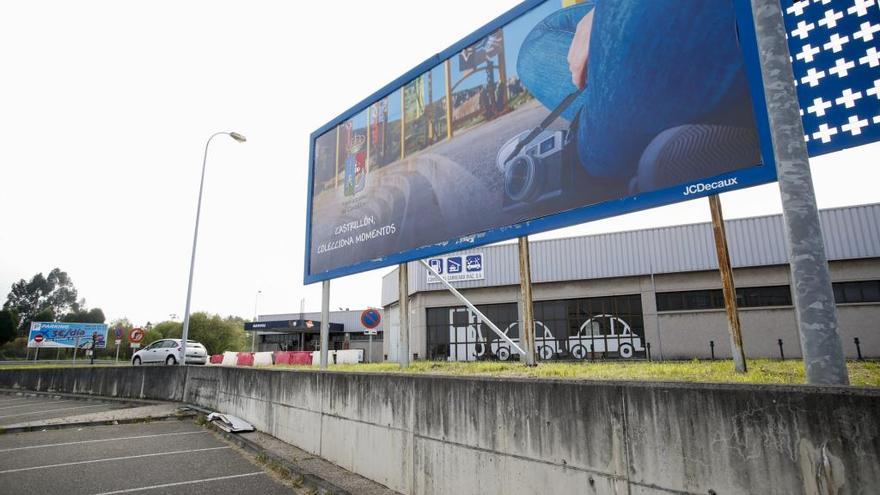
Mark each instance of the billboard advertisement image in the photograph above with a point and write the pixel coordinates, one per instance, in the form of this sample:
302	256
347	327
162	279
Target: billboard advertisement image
67	335
551	115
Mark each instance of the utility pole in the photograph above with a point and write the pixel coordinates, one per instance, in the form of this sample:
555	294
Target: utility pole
813	295
403	306
727	285
527	329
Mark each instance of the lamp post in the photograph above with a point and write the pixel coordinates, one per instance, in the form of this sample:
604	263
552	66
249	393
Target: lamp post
254	332
192	263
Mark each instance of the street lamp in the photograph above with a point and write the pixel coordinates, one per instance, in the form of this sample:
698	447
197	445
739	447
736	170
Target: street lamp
238	137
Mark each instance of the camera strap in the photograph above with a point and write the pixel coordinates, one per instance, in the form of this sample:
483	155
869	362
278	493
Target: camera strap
554	114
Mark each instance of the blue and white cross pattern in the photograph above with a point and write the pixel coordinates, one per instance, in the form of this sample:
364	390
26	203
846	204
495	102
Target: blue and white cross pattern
834	49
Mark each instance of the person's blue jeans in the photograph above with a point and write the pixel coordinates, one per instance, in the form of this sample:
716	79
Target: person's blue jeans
653	65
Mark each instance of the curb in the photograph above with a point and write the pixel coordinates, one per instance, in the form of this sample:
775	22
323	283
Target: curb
319	485
83	397
180	416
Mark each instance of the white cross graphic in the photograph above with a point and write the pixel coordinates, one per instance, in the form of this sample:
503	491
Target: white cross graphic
836	42
875	91
877	119
806	138
818	107
860	8
841	68
867	31
807	53
854	127
848	98
803	29
798	7
871	58
813	76
824	133
831	18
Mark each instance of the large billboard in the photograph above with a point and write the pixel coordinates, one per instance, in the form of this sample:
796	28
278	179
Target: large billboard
549	116
67	335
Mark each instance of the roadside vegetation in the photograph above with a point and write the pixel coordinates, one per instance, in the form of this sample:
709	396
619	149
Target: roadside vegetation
761	371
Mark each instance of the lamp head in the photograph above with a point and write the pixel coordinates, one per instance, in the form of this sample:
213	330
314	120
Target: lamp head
238	137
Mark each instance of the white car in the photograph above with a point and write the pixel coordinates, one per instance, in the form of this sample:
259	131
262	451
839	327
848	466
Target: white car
167	351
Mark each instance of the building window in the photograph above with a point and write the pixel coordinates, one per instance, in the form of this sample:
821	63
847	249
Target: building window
857	292
746	297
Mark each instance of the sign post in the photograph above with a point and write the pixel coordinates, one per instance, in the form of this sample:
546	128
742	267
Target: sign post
38	340
403	306
325	323
527	336
370	319
727	284
813	295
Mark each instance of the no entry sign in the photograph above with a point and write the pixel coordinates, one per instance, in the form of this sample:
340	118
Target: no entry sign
39	339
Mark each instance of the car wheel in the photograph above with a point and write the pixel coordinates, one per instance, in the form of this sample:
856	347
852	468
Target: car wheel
579	352
503	353
545	352
626	351
170	361
136	361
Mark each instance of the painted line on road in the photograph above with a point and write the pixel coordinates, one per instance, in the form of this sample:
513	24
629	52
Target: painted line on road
110	459
53	410
166	485
101	440
17	399
33	404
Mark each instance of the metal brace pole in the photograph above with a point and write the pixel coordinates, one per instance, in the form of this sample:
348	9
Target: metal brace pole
727	284
325	323
473	308
403	306
814	298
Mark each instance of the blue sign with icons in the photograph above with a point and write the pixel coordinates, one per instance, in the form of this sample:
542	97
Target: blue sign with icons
474	262
453	264
436	264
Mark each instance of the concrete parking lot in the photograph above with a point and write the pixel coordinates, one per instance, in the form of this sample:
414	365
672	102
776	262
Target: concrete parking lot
162	457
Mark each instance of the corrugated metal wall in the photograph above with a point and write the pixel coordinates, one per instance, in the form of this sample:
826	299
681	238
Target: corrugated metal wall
850	232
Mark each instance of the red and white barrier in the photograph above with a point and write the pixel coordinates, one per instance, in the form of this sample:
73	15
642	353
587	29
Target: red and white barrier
245	359
229	359
262	359
216	359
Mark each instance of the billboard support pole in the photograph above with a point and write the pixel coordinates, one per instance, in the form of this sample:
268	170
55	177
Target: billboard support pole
403	306
503	336
727	285
527	335
36	353
325	323
447	66
813	295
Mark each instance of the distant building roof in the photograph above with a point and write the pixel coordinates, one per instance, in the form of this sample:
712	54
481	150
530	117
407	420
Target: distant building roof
850	232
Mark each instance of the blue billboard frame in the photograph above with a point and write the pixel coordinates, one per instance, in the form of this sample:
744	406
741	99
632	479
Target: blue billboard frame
749	177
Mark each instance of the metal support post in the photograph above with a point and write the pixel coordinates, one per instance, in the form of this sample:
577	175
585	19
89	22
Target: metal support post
727	284
814	299
36	353
503	336
403	306
527	333
325	322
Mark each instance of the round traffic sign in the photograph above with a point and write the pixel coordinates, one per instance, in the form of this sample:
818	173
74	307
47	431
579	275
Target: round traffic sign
118	332
371	318
39	339
136	335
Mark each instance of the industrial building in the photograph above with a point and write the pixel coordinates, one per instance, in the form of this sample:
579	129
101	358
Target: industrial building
301	332
658	291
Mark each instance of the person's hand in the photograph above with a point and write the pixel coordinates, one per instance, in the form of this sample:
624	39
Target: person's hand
579	51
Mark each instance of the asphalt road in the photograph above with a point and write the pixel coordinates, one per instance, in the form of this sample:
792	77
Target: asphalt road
18	409
165	457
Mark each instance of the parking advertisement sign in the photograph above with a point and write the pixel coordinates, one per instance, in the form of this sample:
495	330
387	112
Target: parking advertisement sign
66	335
457	268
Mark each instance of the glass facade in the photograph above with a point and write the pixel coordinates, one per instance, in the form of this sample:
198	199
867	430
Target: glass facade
599	327
746	297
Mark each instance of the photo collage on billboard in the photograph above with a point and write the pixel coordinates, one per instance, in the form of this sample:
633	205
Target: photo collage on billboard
569	105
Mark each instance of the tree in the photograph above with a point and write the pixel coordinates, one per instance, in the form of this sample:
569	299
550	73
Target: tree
8	326
82	315
29	298
217	334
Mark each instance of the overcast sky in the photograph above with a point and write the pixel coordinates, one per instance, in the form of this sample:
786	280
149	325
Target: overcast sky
105	108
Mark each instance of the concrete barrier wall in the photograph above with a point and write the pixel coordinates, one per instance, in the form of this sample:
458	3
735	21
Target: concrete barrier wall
439	435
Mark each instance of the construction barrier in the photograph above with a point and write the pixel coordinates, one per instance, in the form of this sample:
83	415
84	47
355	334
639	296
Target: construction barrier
216	359
293	357
229	359
262	358
245	359
349	356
